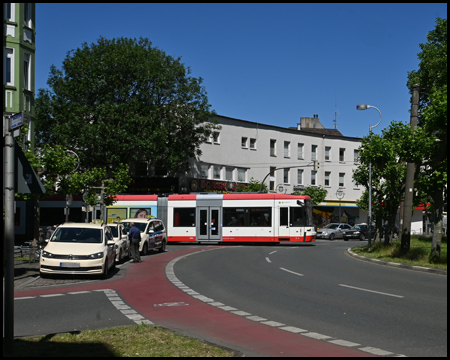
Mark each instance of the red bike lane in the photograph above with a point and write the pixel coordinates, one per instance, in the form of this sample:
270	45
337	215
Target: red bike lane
147	290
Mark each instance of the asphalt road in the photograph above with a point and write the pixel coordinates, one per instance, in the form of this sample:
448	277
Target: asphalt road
320	288
315	290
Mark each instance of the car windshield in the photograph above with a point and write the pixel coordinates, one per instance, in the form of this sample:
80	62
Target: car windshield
331	226
77	235
357	227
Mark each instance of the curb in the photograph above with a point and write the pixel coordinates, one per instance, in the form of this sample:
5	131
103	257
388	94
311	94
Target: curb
403	266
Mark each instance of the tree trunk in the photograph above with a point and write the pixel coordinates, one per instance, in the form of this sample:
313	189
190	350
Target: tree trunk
438	207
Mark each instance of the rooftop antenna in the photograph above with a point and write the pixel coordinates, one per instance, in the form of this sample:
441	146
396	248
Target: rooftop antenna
336	113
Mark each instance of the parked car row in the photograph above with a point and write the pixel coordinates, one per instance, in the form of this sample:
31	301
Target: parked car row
345	231
94	249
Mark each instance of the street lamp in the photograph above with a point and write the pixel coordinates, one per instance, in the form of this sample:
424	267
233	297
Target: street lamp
365	107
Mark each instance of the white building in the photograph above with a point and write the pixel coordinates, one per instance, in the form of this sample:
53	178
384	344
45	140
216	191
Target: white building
243	150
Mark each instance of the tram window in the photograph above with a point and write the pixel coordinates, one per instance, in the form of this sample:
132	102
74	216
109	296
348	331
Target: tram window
183	217
284	218
297	216
254	216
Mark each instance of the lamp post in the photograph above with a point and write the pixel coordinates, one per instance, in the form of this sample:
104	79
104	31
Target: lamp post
365	107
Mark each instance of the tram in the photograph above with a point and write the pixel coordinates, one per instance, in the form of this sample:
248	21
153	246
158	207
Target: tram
236	218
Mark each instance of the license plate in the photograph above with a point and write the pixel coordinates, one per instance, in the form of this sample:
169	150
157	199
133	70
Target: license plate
69	265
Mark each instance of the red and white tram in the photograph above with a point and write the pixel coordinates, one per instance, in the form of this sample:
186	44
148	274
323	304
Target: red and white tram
238	217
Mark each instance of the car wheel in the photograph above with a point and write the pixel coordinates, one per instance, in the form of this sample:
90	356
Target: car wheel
163	246
105	270
145	249
345	239
362	237
331	237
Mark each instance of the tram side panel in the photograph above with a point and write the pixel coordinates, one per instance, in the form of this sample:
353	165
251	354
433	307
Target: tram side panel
249	221
181	221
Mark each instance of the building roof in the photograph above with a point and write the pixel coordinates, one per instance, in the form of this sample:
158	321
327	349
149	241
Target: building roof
324	131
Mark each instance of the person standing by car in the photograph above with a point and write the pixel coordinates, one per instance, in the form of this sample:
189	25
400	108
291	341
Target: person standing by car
135	237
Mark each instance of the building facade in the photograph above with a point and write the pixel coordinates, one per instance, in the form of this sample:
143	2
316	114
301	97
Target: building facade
19	49
284	158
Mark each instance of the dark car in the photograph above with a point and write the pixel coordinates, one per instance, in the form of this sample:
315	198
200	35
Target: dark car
359	231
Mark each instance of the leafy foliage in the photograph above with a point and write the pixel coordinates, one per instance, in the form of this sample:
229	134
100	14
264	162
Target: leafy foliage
388	154
316	193
254	186
122	101
432	79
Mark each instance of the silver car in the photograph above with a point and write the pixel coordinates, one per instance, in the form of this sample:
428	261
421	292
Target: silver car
332	231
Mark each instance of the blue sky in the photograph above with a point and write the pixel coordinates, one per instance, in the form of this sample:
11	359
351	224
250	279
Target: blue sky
267	63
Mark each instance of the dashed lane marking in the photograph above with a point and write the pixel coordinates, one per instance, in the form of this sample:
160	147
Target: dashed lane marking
340	342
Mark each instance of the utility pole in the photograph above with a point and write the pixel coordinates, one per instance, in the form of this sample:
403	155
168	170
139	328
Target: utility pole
8	312
405	222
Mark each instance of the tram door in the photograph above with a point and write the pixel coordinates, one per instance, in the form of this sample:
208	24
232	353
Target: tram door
209	226
292	219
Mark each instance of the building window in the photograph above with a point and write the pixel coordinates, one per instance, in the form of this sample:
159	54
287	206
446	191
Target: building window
272	170
300	151
287	146
252	144
286	176
273	147
204	171
244	141
299	176
327	153
341	154
27	15
216	172
241	174
341	179
356	156
10	12
9	64
313	177
327	178
229	173
215	136
26	71
313	152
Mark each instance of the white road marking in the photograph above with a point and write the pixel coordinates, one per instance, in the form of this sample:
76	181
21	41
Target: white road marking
372	291
175	281
292	272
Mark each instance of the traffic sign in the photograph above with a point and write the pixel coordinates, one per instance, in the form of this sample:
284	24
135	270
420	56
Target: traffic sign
16	121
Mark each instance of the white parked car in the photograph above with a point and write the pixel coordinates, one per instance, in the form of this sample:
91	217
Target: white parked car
79	248
153	234
121	239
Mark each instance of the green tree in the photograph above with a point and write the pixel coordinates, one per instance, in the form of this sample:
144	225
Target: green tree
123	101
387	155
431	76
316	193
253	186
